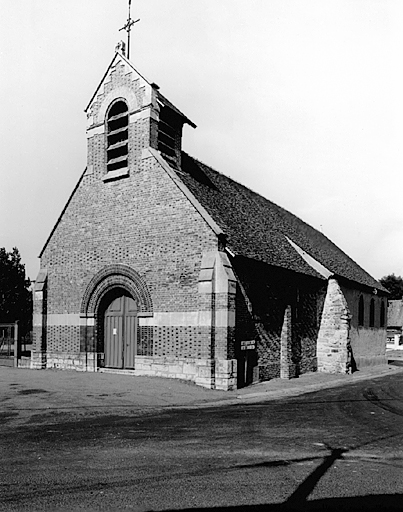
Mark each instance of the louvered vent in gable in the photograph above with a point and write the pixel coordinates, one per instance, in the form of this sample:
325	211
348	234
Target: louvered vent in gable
168	133
118	136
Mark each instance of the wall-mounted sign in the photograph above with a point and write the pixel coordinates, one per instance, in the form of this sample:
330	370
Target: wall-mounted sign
248	345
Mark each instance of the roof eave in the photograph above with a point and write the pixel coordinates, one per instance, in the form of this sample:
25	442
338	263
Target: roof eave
169	104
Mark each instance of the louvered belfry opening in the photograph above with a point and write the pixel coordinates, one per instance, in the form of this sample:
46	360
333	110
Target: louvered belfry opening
118	136
167	134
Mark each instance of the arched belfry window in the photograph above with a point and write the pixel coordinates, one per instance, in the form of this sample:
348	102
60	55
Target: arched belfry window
361	311
118	136
372	313
382	322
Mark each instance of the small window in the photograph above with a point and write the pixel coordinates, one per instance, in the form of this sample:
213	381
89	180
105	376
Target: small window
372	313
118	136
382	322
361	311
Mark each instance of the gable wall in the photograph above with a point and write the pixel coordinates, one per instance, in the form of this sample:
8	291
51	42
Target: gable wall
142	221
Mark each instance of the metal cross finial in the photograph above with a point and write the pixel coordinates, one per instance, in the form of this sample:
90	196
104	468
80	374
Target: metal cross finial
128	27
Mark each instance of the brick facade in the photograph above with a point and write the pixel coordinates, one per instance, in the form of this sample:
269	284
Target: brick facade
139	231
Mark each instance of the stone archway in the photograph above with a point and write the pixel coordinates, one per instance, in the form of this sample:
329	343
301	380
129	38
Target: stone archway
111	277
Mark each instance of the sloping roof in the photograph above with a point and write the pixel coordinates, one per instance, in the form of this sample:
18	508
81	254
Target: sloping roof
395	313
259	229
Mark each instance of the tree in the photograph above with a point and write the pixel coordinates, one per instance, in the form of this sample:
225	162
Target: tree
15	296
394	285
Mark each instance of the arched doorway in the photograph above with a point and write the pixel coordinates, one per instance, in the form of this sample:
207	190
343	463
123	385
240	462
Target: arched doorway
118	322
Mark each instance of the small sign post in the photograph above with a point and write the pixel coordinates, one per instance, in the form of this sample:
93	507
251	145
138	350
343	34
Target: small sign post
16	345
245	347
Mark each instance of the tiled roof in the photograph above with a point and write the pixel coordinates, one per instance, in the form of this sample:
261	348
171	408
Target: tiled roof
257	228
395	313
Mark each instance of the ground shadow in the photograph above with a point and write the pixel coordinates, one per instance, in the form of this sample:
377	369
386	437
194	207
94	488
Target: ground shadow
298	500
371	503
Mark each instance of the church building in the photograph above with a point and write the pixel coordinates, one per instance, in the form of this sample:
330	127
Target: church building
160	265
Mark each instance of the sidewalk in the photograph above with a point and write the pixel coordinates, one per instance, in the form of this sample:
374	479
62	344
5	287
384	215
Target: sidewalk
310	382
279	388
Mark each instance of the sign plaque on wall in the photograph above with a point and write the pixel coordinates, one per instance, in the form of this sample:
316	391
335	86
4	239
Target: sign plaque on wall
248	345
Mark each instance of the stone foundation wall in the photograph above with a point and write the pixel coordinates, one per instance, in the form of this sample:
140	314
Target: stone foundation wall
25	362
208	373
85	362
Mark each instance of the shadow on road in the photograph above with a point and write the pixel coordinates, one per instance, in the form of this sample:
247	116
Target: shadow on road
372	503
298	500
300	495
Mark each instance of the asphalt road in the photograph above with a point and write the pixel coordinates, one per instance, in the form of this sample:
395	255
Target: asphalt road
337	449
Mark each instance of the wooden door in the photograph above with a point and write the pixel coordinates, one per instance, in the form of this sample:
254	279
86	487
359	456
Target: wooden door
130	332
120	330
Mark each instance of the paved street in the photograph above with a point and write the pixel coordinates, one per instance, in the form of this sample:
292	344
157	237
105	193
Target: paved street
180	447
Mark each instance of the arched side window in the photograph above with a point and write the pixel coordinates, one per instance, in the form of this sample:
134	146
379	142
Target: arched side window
361	311
383	315
372	313
118	136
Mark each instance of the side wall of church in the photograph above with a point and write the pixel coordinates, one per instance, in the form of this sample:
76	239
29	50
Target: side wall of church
368	343
278	313
346	342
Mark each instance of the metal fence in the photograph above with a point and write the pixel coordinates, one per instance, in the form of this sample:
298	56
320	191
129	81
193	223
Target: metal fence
9	346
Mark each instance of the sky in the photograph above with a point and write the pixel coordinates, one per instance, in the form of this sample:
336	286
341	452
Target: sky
300	100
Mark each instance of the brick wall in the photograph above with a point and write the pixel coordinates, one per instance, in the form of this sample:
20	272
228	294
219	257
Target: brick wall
140	221
308	313
281	311
144	222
